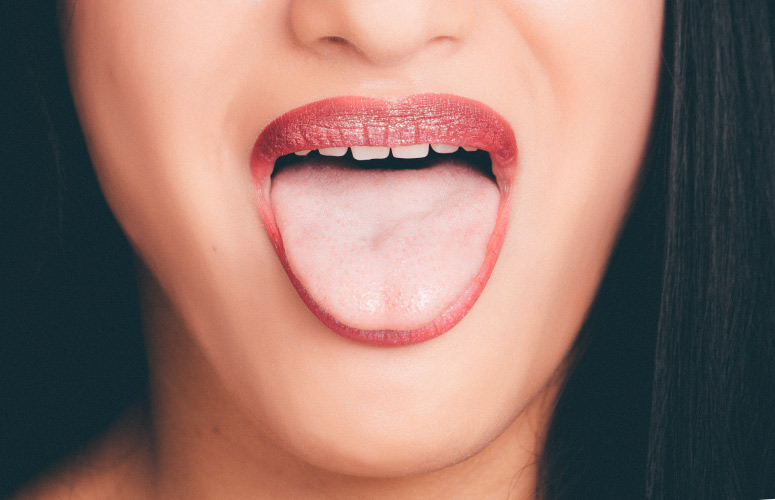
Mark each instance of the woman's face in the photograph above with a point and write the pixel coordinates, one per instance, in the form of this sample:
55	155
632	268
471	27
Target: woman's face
173	97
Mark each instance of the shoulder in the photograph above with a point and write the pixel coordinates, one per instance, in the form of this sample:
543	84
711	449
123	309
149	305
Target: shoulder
115	467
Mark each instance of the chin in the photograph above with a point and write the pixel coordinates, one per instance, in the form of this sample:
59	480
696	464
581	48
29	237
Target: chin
379	453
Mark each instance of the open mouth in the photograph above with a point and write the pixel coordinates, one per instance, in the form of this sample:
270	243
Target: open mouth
387	214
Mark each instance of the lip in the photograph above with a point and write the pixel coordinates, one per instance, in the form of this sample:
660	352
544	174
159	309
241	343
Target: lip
365	121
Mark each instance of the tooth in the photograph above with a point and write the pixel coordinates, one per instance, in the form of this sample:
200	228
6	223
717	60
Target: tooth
469	149
413	151
370	152
303	153
333	151
444	148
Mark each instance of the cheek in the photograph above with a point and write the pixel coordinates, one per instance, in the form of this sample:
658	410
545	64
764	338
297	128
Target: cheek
147	86
156	87
583	123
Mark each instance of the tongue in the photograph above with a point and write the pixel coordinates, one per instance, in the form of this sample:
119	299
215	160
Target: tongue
384	249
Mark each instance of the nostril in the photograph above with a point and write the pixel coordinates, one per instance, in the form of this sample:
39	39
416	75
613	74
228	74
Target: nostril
336	40
338	44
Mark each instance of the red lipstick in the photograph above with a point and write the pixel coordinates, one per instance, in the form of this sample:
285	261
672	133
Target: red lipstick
362	121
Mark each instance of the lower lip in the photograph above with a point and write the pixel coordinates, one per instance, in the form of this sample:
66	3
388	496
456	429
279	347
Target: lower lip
352	121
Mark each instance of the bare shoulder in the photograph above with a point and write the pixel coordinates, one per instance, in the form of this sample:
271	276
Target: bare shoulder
115	467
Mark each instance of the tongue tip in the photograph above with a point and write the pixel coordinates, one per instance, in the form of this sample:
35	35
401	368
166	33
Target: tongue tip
381	336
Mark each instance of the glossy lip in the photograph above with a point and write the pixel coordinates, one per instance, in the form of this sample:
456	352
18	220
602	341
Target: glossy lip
364	121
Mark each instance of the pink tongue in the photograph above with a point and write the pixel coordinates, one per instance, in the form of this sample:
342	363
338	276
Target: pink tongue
381	249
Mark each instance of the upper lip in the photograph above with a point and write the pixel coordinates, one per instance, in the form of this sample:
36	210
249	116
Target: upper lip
364	121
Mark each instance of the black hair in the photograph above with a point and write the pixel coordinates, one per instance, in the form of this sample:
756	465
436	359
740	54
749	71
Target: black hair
71	350
712	433
672	394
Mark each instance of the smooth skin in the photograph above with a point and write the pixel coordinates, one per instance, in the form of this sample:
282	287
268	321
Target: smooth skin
251	396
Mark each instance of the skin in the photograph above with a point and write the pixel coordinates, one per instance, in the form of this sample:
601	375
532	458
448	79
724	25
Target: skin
251	396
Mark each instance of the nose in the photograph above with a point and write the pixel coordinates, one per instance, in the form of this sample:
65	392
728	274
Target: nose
383	32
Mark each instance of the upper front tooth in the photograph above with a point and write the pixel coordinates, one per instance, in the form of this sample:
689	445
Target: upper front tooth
469	148
333	151
303	153
413	151
370	152
444	148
